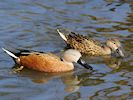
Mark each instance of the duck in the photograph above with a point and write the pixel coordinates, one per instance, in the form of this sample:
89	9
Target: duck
48	62
92	47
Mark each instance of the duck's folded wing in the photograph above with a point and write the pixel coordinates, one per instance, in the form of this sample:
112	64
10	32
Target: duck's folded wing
24	52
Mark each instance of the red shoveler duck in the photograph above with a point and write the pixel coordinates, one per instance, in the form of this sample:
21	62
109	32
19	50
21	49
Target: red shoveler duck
90	46
48	62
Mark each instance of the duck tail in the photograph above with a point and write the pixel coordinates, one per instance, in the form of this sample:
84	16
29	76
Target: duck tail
10	53
62	35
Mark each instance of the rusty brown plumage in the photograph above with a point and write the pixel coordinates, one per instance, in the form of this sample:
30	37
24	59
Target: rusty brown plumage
44	62
47	62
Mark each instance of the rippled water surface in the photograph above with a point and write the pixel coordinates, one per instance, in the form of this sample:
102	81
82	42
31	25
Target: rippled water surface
32	24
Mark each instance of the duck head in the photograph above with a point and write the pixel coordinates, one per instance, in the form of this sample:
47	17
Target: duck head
72	55
115	46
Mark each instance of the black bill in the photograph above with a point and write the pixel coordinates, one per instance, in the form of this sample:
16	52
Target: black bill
119	51
84	64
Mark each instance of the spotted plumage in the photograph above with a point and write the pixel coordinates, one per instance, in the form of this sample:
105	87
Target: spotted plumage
91	46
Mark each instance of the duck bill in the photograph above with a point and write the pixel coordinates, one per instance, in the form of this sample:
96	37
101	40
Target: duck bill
84	64
120	52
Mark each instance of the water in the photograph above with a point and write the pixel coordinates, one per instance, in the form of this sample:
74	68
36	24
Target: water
32	24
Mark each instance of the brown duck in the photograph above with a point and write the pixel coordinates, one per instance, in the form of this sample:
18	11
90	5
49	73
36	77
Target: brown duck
48	62
90	46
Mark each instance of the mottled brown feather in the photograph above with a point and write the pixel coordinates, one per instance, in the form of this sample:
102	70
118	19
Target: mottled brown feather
84	44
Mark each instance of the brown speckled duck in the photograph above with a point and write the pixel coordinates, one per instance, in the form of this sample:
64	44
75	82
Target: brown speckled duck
90	46
48	62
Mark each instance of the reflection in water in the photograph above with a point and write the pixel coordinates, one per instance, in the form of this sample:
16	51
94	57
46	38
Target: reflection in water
32	24
111	62
73	96
69	79
71	82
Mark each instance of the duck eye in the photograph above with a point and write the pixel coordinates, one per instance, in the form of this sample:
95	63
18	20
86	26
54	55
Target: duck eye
114	43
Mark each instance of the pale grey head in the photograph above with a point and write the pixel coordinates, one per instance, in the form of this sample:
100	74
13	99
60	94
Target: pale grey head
72	55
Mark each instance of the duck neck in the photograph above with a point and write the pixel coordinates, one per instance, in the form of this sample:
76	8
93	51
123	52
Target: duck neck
70	64
106	50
